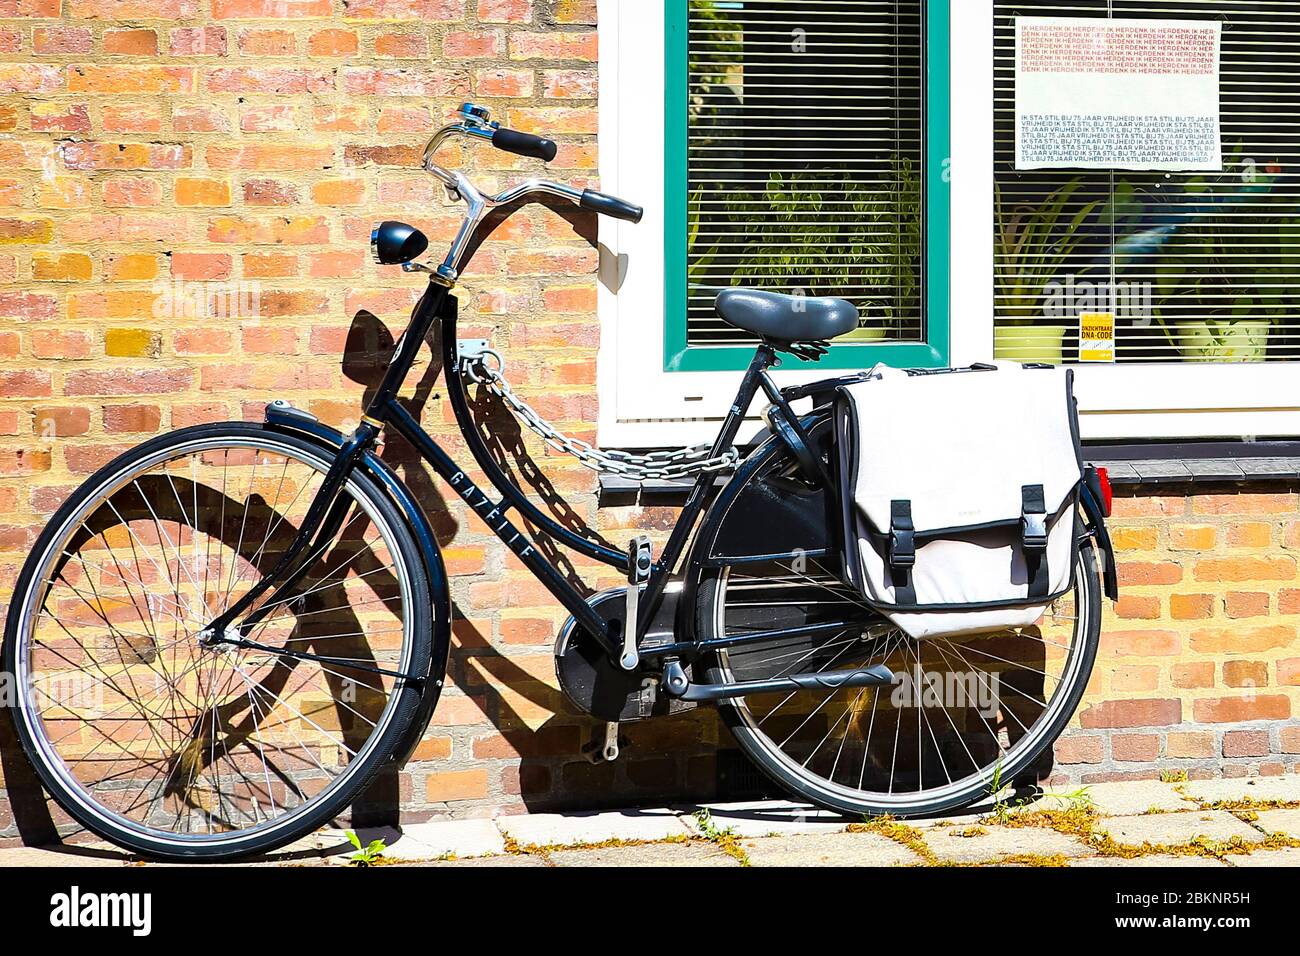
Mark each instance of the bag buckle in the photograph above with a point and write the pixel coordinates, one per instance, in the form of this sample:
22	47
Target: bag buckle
1033	517
902	535
902	548
1034	529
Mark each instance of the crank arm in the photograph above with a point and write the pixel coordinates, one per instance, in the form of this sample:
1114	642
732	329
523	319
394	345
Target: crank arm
324	659
681	688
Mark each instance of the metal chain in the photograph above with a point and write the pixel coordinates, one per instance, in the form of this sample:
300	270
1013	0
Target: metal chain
654	466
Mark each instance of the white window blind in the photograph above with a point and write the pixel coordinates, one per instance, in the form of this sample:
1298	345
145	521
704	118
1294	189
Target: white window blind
1202	267
804	157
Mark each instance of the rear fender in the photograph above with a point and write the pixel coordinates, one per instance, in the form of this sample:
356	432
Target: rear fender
1097	527
282	416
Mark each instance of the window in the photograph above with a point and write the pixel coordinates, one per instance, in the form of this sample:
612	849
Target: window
1195	267
798	148
667	371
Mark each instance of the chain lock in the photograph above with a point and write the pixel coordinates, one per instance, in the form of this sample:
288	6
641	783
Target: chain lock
654	466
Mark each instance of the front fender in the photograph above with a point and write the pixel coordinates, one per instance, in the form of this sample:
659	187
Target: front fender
283	416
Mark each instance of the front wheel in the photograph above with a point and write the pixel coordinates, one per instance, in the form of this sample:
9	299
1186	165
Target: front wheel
172	748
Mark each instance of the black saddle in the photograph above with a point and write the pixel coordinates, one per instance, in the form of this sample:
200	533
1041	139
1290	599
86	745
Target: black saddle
786	318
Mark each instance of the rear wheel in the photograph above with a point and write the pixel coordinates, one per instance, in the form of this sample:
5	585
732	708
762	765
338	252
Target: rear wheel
968	715
175	749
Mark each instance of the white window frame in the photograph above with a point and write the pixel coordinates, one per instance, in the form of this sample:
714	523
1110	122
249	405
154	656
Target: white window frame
641	405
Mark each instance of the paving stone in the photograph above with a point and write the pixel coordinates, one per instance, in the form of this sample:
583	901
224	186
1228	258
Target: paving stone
556	829
1255	788
463	838
1155	860
25	856
768	818
1279	821
1173	829
1289	856
965	818
1138	796
828	849
994	843
649	854
506	860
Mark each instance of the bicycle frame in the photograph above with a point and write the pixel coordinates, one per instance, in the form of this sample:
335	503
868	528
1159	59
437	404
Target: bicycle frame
326	514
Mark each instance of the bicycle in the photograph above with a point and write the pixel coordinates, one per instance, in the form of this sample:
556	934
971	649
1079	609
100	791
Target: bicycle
227	631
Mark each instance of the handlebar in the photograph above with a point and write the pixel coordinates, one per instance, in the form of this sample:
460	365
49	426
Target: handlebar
610	206
523	144
474	122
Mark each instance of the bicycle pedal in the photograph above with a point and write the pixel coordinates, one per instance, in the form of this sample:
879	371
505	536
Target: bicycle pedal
605	748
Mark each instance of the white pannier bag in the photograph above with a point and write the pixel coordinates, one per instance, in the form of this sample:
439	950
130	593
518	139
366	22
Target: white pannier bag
959	491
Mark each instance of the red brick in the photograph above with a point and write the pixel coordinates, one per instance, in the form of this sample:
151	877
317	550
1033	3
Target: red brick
269	9
198	41
127	381
1245	504
1193	674
1291	740
1233	710
1193	745
131	42
1135	748
1076	749
553	46
60	421
1245	673
1155	643
426	11
504	11
132	418
410	46
267	42
62	40
1131	538
1131	713
1246	743
1242	604
456	785
1242	640
1191	606
332	43
1148	572
472	45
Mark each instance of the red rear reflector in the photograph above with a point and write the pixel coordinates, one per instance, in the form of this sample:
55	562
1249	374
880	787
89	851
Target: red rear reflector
1107	495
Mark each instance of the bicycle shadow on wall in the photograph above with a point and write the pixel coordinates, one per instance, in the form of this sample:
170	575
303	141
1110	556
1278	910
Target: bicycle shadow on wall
158	727
511	699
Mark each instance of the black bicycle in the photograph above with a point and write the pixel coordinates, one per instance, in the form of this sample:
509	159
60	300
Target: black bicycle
226	632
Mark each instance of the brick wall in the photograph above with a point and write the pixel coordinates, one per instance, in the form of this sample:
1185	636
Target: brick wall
1199	667
256	141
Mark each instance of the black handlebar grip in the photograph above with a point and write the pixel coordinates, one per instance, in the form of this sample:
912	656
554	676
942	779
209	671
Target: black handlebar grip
611	206
523	144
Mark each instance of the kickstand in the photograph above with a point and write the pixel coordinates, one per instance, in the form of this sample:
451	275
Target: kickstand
604	750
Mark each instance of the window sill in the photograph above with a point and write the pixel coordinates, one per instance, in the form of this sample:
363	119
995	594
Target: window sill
1173	463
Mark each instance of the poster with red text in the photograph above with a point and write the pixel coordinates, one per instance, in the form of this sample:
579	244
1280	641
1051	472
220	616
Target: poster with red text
1117	94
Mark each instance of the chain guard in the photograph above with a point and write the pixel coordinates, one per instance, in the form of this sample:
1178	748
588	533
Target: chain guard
596	684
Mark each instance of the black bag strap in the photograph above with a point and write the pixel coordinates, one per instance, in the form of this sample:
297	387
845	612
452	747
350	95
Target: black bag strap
902	551
1033	530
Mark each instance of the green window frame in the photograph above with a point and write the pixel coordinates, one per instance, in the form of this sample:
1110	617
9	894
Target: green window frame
679	356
